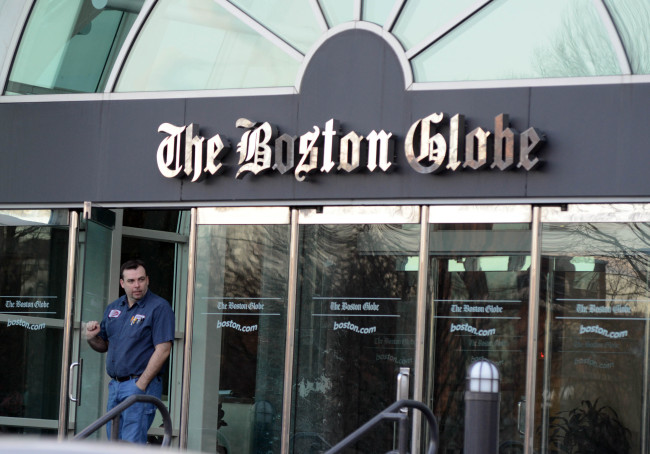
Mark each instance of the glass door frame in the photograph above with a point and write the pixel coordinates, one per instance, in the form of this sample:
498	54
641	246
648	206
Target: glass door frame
503	214
73	323
226	216
572	214
67	324
53	218
351	215
94	221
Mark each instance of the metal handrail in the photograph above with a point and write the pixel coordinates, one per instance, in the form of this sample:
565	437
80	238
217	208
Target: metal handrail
394	413
115	412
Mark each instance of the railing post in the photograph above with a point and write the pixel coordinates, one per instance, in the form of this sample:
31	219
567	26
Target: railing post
394	413
114	415
403	435
482	409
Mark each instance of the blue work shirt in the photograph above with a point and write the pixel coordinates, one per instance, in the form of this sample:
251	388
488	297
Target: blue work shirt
132	333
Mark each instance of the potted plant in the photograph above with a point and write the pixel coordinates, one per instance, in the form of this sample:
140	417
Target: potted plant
588	429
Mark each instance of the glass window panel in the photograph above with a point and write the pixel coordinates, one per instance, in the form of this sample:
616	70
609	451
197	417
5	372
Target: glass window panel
522	39
377	11
165	220
356	328
196	44
421	18
10	13
93	265
238	343
479	292
632	18
160	257
33	217
68	46
32	302
593	394
292	20
337	11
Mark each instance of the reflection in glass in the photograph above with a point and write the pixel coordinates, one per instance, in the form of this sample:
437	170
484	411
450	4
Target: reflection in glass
196	45
293	20
32	301
594	359
632	18
94	273
337	11
10	20
566	39
479	293
239	339
356	328
68	46
165	220
421	18
377	11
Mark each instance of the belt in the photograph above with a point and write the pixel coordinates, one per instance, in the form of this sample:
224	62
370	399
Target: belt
126	378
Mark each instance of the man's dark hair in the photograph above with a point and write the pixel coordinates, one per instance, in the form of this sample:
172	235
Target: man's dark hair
132	265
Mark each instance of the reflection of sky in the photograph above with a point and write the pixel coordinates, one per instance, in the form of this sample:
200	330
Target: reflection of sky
25	217
337	11
419	19
293	20
583	263
503	40
377	11
488	263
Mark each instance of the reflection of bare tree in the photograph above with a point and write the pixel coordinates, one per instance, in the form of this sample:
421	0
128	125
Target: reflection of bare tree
244	266
456	351
632	18
623	247
33	264
344	377
17	244
580	48
596	353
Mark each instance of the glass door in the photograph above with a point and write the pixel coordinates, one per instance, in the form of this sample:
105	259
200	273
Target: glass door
239	324
88	380
34	255
478	303
593	359
355	322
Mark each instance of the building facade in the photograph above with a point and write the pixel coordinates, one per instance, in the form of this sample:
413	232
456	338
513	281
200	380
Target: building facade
330	194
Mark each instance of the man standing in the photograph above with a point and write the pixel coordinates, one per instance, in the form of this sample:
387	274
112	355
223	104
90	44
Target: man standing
137	331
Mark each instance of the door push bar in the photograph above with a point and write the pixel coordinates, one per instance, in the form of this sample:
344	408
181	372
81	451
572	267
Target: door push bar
75	398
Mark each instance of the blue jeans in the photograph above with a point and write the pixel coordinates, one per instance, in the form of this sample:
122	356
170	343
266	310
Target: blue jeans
135	420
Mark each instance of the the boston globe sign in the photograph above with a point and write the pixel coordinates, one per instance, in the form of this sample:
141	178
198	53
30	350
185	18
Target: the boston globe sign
434	144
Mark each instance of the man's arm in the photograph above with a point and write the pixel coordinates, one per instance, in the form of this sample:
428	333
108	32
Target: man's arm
158	358
96	343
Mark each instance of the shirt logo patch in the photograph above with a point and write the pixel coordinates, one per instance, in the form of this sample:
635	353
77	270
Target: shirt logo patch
114	313
137	319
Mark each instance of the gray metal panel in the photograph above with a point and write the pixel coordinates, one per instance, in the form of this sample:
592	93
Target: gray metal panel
597	141
127	151
50	152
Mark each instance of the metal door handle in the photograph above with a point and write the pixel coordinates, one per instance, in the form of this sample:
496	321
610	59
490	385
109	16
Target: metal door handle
521	416
76	398
403	385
